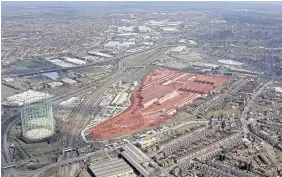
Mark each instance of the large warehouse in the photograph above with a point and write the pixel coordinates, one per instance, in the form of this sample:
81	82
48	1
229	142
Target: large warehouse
29	96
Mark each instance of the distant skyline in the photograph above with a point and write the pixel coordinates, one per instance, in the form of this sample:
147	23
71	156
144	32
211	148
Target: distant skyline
143	4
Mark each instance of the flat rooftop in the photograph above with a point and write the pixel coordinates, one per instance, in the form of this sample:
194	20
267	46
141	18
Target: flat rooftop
109	168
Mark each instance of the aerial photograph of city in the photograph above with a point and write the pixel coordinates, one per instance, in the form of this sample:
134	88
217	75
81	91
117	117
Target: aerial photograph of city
141	89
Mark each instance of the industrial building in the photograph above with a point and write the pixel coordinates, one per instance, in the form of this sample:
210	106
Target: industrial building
29	96
68	81
51	75
111	44
75	61
54	84
144	29
69	101
230	62
61	63
148	43
37	121
191	42
178	49
205	65
100	54
147	142
278	89
115	167
135	157
120	98
136	153
126	29
8	79
169	29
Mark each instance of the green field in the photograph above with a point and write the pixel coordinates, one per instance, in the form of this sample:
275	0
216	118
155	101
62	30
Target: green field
221	112
256	43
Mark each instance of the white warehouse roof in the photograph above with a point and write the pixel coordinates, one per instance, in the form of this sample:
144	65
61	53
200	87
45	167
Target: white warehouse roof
61	63
100	54
29	96
75	61
126	29
231	62
51	75
171	29
112	44
178	49
120	98
68	80
278	89
110	168
144	29
69	101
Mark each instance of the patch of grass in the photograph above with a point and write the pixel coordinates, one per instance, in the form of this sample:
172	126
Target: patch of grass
222	112
262	148
279	156
255	43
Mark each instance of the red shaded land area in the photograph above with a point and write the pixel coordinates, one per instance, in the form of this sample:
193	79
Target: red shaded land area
162	93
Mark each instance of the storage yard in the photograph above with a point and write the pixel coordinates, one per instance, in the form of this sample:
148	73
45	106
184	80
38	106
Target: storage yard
162	94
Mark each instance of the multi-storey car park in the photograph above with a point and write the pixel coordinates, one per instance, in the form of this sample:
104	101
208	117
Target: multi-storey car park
162	94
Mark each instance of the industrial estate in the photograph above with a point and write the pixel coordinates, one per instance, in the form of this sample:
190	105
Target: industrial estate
151	89
161	95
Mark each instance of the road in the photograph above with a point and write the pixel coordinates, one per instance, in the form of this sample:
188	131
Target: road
244	115
93	101
245	122
77	125
65	162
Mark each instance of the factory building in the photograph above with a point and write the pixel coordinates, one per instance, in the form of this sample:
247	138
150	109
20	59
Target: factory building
54	84
135	157
191	42
148	43
167	97
51	75
61	63
69	101
120	98
230	62
126	29
169	29
111	44
100	54
147	142
75	61
178	49
206	65
144	29
26	97
68	81
8	79
278	89
115	167
127	44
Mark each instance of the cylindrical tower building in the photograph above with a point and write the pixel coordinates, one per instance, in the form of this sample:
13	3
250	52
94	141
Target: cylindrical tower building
37	121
